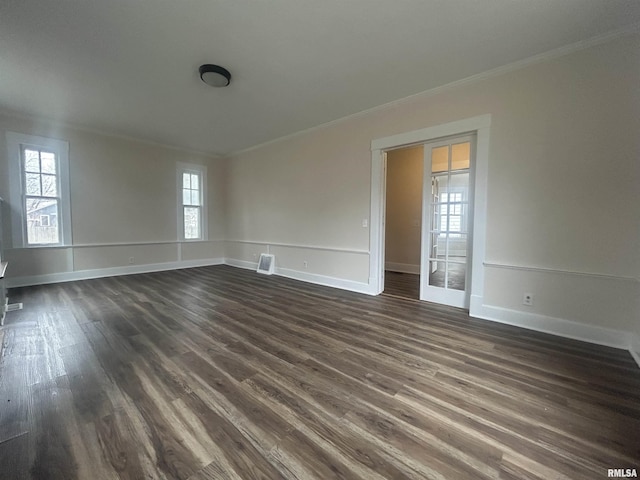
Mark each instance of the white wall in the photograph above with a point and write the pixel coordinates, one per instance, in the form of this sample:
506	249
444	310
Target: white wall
303	193
123	204
563	210
403	217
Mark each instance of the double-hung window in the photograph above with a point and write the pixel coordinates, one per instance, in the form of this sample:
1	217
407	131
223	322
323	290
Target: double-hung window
192	208
451	214
39	173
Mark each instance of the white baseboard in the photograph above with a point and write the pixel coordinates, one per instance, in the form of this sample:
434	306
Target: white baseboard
108	272
316	279
326	281
555	326
158	267
402	267
241	264
306	277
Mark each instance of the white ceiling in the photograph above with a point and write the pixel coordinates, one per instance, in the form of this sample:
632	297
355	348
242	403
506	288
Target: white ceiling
131	67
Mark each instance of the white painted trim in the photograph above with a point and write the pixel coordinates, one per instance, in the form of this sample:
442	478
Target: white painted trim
481	126
428	134
480	189
496	72
127	244
109	272
241	264
307	247
555	326
350	285
119	244
307	277
377	220
402	267
526	268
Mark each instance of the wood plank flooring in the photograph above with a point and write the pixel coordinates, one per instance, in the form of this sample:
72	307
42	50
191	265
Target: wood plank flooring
220	373
405	285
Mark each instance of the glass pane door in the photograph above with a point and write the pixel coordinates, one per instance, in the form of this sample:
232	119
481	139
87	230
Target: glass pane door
447	200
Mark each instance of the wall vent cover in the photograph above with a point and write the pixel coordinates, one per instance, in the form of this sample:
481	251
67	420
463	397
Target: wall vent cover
266	264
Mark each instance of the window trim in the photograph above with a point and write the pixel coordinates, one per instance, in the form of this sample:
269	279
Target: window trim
15	144
200	170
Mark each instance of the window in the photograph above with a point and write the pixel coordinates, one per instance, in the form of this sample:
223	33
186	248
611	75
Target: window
192	202
39	171
452	201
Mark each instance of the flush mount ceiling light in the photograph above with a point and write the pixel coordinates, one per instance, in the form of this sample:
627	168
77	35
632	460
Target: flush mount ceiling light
215	75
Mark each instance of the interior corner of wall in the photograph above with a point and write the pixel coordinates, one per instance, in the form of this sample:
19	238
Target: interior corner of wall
634	349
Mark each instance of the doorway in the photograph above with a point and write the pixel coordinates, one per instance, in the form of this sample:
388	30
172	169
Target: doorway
475	203
403	226
427	224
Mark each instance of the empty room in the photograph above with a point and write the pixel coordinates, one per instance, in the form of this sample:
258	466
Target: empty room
362	239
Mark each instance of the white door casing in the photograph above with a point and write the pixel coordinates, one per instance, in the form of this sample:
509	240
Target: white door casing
479	125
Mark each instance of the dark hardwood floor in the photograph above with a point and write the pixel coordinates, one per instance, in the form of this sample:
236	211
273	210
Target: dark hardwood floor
405	285
220	373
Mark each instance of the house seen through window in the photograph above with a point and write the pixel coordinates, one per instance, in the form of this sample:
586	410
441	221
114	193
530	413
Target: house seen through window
39	190
41	196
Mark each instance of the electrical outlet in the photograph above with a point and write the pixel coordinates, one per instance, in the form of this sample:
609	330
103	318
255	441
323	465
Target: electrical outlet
527	299
131	260
305	263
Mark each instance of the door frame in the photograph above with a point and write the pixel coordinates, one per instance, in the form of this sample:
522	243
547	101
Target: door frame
479	125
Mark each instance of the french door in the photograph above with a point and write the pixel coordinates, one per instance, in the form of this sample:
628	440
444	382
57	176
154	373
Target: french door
447	223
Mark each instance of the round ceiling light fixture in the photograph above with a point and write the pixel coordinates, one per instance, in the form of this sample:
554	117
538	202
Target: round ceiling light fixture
215	75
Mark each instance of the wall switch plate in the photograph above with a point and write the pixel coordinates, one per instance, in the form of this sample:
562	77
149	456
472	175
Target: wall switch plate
365	223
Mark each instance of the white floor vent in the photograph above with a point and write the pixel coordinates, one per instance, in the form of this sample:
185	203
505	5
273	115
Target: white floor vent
9	307
266	264
12	307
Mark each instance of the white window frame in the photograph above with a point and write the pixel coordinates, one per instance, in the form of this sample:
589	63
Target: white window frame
462	215
200	170
15	144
